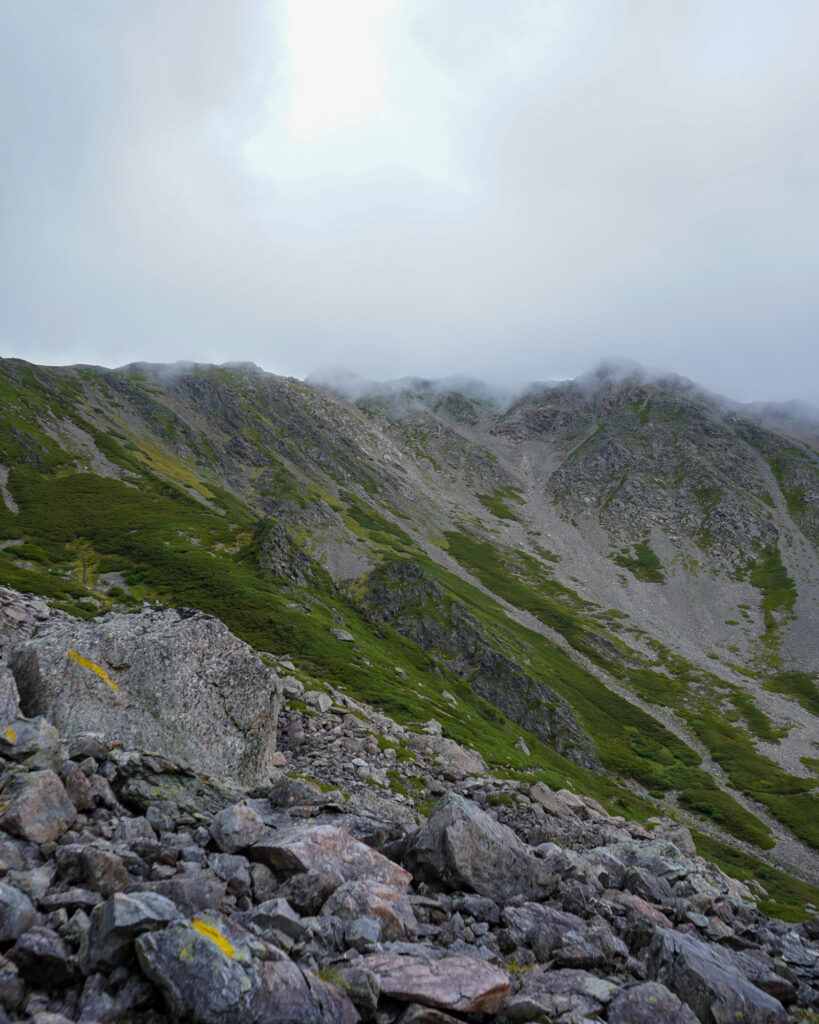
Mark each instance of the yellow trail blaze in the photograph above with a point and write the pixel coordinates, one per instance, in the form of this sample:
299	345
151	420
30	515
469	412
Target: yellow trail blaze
95	668
215	936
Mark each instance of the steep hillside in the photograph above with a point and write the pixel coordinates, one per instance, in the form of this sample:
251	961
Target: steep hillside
609	584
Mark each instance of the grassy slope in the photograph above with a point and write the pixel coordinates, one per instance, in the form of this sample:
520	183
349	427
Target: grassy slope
680	687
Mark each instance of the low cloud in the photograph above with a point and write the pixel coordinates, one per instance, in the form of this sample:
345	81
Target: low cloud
539	187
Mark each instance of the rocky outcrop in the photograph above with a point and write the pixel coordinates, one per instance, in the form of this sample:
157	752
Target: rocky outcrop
407	597
635	455
280	557
172	681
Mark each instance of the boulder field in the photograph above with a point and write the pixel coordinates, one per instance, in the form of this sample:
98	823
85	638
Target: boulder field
134	885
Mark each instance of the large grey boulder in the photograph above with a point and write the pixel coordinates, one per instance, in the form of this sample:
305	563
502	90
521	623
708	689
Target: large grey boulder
708	982
465	847
236	827
176	682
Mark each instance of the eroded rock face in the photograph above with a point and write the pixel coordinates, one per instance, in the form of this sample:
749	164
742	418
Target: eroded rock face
394	593
465	847
175	681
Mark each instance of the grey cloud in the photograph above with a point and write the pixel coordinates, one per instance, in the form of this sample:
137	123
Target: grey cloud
635	179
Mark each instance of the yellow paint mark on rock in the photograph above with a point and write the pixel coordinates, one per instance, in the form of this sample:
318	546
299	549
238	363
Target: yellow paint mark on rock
95	668
9	734
214	935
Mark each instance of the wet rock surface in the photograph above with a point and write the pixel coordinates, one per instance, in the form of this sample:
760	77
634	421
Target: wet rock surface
135	887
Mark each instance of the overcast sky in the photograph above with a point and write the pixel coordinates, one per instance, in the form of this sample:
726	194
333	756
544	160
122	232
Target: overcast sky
504	188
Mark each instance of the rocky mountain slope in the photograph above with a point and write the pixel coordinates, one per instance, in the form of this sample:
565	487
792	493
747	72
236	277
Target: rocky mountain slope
384	875
607	585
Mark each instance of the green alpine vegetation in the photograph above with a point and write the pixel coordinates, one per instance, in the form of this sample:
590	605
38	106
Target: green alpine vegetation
644	564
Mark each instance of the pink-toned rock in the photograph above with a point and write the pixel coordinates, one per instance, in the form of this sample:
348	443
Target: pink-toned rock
633	906
417	1014
104	872
35	806
456	983
306	847
77	786
364	897
102	792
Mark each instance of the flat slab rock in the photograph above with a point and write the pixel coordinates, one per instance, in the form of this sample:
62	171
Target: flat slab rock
328	849
456	983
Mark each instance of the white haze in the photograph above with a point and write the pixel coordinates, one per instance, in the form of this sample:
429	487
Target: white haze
794	417
507	191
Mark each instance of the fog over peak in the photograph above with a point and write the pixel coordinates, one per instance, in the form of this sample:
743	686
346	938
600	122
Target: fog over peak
508	192
353	387
167	372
